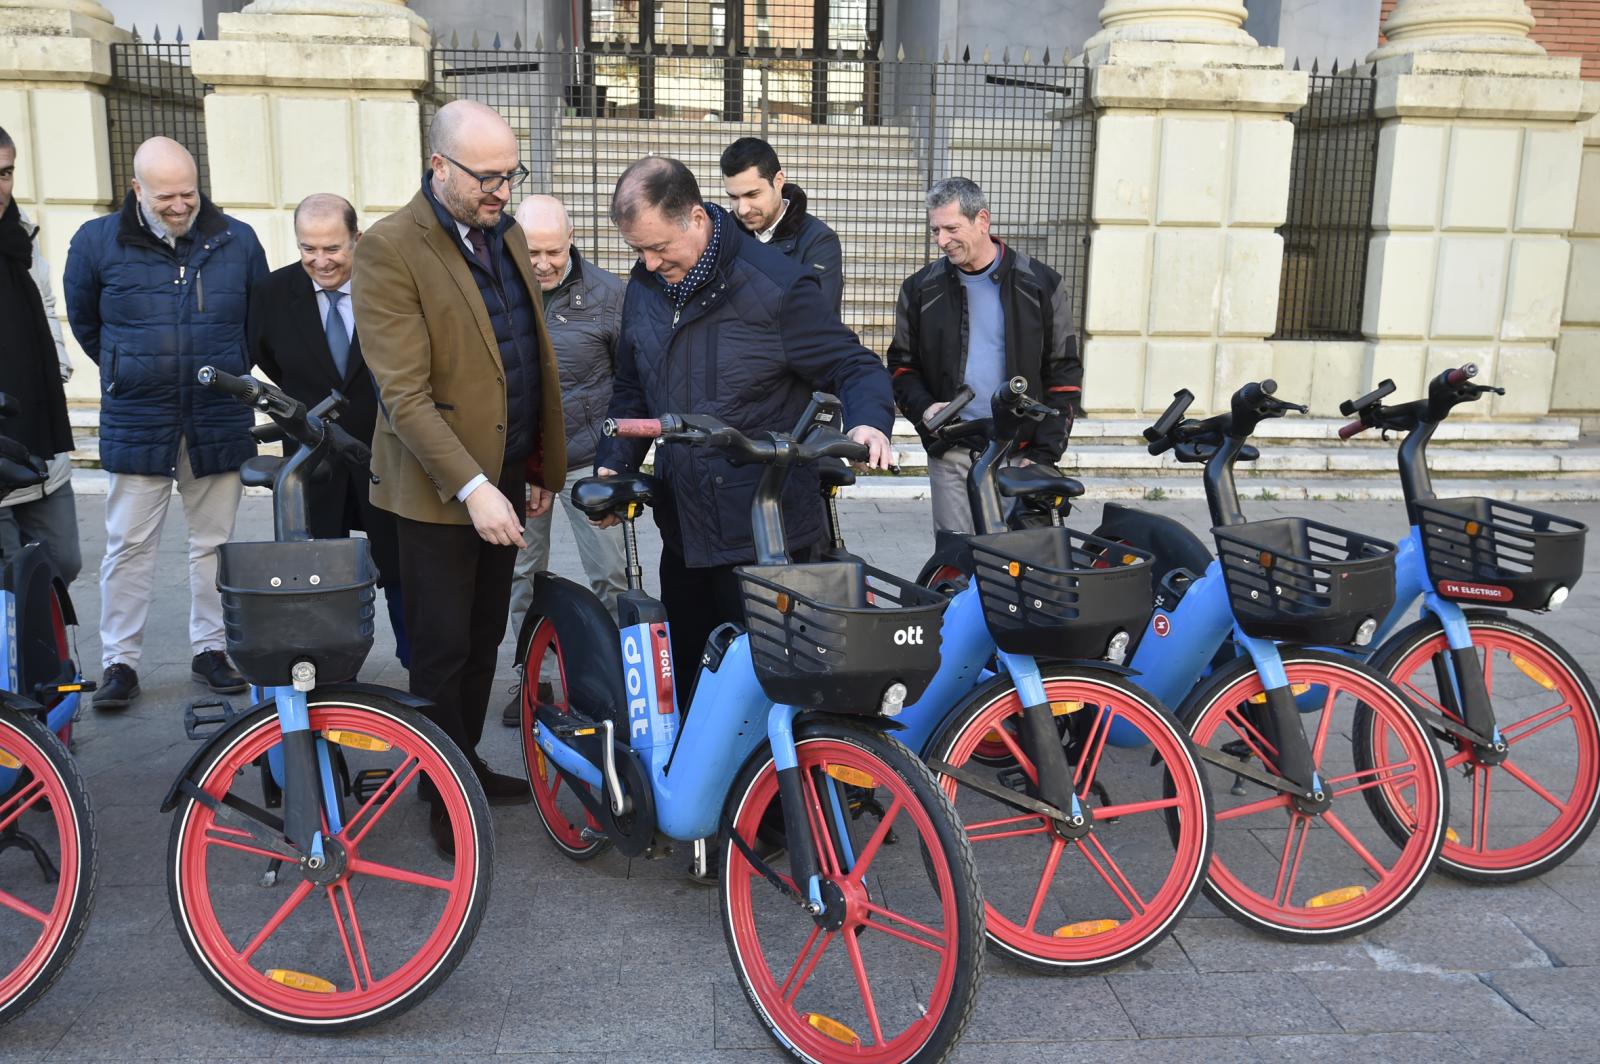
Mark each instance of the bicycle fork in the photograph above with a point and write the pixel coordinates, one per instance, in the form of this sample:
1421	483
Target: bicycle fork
1278	720
1459	676
1041	741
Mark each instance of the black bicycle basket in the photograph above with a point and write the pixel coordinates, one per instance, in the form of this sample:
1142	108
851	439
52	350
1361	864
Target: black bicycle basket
1057	593
1302	581
838	635
1484	550
300	601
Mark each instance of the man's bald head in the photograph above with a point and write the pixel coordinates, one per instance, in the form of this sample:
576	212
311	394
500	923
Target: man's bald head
166	183
320	207
472	145
463	125
545	223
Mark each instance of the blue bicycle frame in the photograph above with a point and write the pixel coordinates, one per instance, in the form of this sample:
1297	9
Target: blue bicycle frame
58	716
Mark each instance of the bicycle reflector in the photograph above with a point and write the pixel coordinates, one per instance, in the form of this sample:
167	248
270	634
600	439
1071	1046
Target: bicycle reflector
833	1029
853	776
1331	898
7	760
1533	672
1086	928
1296	689
355	740
311	984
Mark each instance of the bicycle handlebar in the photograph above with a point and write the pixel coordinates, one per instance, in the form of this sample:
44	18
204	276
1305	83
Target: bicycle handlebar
704	430
246	388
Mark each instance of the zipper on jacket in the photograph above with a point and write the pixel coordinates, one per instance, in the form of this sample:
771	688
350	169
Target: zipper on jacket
199	292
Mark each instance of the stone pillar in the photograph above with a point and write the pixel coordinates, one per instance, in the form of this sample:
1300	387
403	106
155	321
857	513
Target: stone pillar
55	57
1191	180
1577	386
1477	184
313	96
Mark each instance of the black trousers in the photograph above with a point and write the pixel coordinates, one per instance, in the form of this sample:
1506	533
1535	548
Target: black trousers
457	591
335	518
697	601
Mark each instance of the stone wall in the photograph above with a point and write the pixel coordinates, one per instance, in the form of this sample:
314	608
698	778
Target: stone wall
1577	380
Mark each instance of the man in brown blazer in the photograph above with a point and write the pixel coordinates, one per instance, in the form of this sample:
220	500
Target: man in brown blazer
452	329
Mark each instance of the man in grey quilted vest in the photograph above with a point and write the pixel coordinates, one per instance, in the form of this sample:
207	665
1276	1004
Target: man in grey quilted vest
583	312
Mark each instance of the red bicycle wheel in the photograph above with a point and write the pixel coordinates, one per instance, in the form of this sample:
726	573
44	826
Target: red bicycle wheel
1316	871
1525	813
1078	905
563	814
300	955
890	971
44	810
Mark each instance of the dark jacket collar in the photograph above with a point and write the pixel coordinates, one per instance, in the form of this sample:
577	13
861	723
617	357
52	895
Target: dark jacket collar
574	275
131	228
1005	259
793	218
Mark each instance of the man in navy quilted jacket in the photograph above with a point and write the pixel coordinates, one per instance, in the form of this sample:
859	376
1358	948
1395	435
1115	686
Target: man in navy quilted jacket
154	292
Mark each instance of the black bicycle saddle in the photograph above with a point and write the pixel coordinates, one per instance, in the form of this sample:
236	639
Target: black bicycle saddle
598	496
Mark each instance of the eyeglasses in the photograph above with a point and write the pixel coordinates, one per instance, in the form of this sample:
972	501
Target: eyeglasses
491	183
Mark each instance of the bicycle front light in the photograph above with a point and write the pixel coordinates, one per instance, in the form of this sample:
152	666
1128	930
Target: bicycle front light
894	699
1557	597
1368	629
1117	649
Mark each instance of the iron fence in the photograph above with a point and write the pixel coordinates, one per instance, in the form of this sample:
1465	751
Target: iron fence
863	135
151	94
1326	236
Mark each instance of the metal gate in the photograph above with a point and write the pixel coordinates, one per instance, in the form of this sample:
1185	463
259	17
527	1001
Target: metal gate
153	94
891	126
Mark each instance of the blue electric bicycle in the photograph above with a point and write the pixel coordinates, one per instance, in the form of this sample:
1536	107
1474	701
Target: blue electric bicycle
1088	853
1516	714
1299	851
865	945
292	949
47	850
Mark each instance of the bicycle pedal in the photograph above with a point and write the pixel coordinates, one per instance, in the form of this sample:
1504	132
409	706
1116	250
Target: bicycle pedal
573	730
204	718
1013	778
368	782
44	692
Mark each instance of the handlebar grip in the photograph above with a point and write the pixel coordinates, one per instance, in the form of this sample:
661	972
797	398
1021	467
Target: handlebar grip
949	411
634	428
1462	375
1254	392
348	447
1355	428
246	387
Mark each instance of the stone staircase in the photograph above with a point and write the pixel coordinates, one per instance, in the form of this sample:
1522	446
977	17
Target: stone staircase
1302	458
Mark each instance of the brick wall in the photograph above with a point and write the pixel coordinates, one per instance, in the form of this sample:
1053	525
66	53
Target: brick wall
1565	27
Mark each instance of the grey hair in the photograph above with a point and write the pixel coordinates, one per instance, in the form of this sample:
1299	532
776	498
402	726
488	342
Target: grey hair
962	190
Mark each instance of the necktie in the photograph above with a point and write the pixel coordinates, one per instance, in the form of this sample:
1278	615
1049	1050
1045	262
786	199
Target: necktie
338	339
480	248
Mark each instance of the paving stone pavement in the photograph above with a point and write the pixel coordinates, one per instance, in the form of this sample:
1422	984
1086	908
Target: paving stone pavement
626	959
